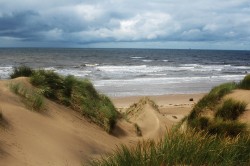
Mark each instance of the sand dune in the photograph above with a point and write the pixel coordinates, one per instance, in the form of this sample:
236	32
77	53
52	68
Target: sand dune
57	137
60	136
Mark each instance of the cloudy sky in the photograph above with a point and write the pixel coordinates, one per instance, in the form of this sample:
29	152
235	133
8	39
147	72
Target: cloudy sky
200	24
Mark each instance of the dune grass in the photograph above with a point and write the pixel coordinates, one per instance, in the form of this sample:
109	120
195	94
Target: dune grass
210	100
223	122
77	94
21	71
245	83
31	98
189	148
230	110
70	91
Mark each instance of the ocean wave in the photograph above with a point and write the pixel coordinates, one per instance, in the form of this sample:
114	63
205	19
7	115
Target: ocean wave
70	71
147	60
184	67
137	57
167	80
91	64
5	71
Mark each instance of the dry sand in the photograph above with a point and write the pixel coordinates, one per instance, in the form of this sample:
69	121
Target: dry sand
61	137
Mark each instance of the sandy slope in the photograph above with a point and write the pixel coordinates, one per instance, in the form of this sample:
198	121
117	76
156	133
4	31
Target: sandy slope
61	136
58	137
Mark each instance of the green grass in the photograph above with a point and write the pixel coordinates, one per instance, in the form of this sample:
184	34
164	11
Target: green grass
31	98
77	94
211	100
227	128
223	122
231	110
21	71
245	83
189	148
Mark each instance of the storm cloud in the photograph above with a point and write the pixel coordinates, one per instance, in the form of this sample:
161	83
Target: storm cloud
221	24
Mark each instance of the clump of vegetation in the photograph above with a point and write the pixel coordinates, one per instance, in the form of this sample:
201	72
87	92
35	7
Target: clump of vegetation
226	128
216	116
30	97
78	94
178	148
21	71
138	130
210	100
231	110
245	83
200	123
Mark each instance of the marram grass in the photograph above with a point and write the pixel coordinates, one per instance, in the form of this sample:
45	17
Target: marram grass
230	109
189	148
30	97
77	94
210	100
70	91
245	83
21	71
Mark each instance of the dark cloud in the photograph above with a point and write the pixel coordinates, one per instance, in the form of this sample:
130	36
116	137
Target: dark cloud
94	23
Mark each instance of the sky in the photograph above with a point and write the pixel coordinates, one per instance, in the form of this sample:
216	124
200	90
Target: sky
175	24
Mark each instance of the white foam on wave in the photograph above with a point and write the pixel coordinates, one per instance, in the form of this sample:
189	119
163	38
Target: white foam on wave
168	80
147	60
151	69
71	71
91	65
5	71
136	57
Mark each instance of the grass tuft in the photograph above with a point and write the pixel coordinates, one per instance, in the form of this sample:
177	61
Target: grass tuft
48	81
227	128
21	71
210	100
177	148
77	94
221	120
31	98
245	83
231	110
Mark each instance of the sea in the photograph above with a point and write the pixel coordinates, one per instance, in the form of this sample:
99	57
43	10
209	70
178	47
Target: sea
133	72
